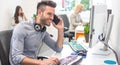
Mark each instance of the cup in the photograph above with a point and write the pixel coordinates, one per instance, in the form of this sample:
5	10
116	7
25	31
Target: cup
110	62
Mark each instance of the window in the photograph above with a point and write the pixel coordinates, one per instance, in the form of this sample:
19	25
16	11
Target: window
68	5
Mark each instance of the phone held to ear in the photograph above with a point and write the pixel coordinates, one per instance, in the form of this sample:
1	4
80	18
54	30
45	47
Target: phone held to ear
56	20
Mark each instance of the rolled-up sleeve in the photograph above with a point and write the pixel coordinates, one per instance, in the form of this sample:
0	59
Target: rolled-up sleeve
17	46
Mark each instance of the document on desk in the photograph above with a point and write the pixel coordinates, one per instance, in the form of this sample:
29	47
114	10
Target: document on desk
71	60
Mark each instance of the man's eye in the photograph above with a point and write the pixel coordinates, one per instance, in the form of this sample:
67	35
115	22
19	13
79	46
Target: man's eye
50	14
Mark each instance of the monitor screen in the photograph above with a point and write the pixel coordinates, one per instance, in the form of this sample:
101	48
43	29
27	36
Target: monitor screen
98	19
101	21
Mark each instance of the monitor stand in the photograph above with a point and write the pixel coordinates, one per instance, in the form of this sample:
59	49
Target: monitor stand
99	49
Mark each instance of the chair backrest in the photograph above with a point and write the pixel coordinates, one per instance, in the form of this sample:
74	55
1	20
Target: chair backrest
66	20
5	38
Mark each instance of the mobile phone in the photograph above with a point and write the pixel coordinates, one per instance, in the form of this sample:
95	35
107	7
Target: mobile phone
56	20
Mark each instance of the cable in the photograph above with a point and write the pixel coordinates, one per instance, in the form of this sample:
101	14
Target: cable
113	51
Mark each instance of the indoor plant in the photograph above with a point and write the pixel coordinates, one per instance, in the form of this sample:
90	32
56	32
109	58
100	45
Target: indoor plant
86	31
34	16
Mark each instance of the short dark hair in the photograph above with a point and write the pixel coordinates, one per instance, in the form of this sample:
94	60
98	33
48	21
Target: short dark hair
41	5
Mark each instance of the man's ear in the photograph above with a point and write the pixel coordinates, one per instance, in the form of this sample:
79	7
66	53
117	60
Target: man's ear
39	12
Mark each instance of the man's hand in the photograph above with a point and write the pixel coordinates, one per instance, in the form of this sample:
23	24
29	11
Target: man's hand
60	25
50	61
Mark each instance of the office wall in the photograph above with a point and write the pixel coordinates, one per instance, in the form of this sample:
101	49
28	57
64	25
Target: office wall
29	7
7	9
6	12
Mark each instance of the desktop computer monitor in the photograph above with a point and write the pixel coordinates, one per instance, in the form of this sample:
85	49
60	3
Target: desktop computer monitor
100	28
98	19
108	30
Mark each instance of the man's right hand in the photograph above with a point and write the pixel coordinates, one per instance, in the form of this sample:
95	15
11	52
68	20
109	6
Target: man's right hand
50	61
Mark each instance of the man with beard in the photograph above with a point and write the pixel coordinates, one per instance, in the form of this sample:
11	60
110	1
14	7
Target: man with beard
28	36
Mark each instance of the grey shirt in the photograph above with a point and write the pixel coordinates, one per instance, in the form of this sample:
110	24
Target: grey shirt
26	41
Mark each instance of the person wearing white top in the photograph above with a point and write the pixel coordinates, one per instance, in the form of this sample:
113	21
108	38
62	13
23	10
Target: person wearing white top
75	17
19	16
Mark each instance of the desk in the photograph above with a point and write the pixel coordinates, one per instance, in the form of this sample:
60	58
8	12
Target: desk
79	32
48	52
91	59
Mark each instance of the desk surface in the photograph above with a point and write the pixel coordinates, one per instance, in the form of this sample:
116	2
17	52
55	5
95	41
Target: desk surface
91	59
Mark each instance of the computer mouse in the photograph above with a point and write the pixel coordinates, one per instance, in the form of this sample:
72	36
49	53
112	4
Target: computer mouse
82	52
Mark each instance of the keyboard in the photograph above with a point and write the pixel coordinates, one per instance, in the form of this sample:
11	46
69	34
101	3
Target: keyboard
75	46
71	60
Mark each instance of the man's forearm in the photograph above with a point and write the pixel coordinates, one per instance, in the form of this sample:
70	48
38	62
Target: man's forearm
60	38
30	61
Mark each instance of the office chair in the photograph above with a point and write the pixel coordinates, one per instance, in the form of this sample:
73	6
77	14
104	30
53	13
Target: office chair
5	38
67	33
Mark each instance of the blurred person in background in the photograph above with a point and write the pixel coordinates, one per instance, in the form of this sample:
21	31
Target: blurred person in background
75	17
19	15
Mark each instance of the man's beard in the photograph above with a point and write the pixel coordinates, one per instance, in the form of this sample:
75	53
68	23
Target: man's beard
43	20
